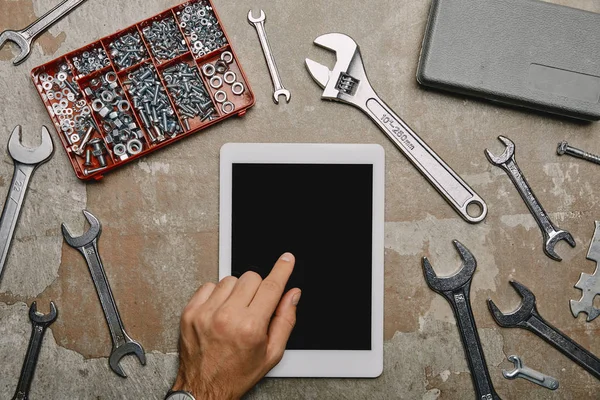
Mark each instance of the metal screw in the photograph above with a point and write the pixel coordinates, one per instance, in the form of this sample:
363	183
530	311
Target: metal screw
165	39
98	150
564	148
92	171
88	158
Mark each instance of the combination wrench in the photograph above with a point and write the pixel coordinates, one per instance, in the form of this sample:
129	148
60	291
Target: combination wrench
508	163
522	371
39	324
527	317
456	290
87	244
278	89
25	37
348	83
25	162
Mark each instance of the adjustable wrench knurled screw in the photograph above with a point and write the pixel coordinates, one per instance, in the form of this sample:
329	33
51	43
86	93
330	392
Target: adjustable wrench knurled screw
456	289
521	371
508	163
87	244
40	323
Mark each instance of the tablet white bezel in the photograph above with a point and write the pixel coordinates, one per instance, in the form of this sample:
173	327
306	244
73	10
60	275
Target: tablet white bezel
316	363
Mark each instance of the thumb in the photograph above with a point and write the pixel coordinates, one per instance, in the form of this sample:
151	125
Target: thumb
282	324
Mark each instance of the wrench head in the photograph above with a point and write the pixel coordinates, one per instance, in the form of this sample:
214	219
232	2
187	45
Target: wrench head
518	363
17	38
261	18
88	237
551	243
43	319
25	155
131	347
507	155
282	92
521	314
456	281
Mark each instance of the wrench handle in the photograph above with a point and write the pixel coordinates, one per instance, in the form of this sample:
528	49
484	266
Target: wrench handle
451	186
48	19
266	48
12	208
564	344
107	301
31	359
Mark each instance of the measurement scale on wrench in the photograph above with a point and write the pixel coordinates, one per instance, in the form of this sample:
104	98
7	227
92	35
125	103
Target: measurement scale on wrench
348	83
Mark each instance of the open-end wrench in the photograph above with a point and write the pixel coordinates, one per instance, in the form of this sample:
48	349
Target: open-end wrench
550	234
87	244
456	289
40	323
24	37
521	371
528	317
348	83
25	162
278	89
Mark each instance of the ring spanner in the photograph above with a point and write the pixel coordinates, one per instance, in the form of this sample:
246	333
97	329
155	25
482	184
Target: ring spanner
88	246
348	83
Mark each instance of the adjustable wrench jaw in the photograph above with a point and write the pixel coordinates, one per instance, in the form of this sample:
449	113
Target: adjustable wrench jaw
520	317
461	280
27	156
88	238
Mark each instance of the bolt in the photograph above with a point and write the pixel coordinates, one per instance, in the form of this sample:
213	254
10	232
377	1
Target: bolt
564	148
88	158
98	150
92	171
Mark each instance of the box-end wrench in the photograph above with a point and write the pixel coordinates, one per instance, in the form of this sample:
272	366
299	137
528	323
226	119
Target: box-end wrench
278	89
25	161
456	289
528	317
508	163
39	324
521	371
88	246
24	37
348	83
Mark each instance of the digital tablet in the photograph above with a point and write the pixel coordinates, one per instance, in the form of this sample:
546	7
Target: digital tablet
325	204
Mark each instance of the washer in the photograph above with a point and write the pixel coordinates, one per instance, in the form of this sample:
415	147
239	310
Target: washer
134	146
119	150
238	88
62	76
227	57
74	138
229	77
228	107
220	96
208	70
216	82
47	85
111	77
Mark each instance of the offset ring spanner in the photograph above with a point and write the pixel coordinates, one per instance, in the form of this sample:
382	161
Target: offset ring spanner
348	83
528	317
88	246
39	324
26	161
456	289
508	163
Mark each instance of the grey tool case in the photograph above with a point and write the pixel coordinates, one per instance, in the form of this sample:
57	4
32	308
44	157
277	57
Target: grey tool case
525	53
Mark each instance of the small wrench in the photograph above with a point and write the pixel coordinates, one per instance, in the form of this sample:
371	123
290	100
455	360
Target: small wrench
278	89
456	289
508	163
24	37
40	323
528	317
521	371
25	162
87	244
348	83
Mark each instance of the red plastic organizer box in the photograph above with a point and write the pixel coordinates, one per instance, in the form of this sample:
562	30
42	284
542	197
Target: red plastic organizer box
142	88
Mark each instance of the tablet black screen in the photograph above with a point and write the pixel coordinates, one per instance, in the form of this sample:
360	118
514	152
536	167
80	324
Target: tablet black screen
323	214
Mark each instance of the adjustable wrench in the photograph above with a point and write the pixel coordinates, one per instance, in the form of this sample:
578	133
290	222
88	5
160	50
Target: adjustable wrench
521	371
528	317
88	246
348	83
278	89
40	323
25	162
24	37
508	163
456	289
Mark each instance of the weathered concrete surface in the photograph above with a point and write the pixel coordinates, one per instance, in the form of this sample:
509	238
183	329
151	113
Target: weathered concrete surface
160	215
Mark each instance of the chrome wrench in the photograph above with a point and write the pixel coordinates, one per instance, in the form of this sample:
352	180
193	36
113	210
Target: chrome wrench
278	89
348	83
24	37
25	162
521	371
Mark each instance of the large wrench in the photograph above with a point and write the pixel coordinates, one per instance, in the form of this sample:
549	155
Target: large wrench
25	163
348	83
40	323
88	246
550	234
278	89
528	317
24	37
456	289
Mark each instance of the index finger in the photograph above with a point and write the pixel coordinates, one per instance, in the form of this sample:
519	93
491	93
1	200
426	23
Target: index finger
271	289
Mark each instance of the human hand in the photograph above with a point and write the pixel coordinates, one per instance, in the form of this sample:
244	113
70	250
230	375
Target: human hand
235	332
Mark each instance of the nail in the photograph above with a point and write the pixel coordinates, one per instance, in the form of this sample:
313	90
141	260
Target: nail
296	298
287	257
